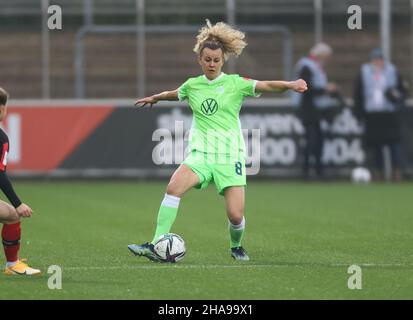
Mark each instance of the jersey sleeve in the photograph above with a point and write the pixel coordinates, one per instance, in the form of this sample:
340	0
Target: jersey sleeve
183	91
7	188
246	86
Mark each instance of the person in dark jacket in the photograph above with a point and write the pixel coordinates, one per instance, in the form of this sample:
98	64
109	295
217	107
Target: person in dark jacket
378	96
313	103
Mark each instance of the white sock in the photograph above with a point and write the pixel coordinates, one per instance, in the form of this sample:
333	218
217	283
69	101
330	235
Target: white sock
11	264
170	201
238	226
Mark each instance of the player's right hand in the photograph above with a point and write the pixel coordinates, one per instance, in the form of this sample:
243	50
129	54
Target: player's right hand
24	211
144	101
299	86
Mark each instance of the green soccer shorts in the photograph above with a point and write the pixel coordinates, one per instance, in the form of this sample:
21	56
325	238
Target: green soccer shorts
224	170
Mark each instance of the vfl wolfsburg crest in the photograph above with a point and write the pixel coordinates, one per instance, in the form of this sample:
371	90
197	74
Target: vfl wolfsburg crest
209	107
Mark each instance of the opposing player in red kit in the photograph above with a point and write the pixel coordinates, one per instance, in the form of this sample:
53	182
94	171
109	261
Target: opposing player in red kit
10	215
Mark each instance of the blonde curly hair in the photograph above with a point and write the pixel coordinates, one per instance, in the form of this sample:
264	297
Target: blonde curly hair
222	36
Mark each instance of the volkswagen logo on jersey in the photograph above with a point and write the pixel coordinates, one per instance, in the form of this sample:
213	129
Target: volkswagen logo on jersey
209	107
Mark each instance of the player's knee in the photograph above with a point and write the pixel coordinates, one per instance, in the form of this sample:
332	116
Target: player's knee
235	216
9	216
12	218
174	189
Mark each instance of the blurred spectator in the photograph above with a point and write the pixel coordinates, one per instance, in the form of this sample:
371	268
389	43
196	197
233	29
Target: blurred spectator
313	102
378	97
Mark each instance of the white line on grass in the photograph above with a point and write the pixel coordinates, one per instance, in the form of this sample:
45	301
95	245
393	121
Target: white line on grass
173	266
374	264
221	266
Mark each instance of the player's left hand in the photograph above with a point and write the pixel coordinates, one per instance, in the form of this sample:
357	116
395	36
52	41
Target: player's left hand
24	211
144	101
299	86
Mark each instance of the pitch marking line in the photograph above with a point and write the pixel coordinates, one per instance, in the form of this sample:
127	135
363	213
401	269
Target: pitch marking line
219	266
171	266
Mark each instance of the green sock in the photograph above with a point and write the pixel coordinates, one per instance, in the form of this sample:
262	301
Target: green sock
236	233
166	216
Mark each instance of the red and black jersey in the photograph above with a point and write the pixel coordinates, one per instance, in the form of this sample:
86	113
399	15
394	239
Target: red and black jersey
4	140
5	184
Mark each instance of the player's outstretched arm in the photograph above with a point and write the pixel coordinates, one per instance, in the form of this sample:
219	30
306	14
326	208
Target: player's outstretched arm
280	86
151	100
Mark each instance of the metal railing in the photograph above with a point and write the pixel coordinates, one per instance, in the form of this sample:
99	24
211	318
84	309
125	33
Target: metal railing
142	30
231	9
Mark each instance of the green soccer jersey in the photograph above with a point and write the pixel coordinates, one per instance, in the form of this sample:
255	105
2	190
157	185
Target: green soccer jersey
216	104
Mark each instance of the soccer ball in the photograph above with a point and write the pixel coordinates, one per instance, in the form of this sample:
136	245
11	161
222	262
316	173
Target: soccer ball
170	247
361	175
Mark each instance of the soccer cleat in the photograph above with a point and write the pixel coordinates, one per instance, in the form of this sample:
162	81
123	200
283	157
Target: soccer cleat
22	269
145	250
239	253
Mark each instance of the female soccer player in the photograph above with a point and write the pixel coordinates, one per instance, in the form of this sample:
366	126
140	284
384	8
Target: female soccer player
216	142
10	216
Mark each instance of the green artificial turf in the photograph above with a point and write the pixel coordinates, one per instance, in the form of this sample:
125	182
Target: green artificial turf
301	238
